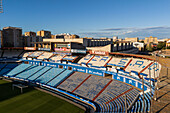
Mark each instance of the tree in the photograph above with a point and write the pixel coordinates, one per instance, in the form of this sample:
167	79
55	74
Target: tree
161	45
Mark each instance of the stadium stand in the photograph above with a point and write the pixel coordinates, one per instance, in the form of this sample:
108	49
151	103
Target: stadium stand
73	81
99	61
17	70
138	105
119	62
35	54
91	87
56	58
44	78
24	55
104	91
27	73
69	58
45	55
137	65
108	93
155	69
5	68
12	53
85	59
38	73
56	80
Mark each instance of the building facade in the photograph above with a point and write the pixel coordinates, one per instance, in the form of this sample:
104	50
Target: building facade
151	39
168	43
135	39
87	42
139	45
12	37
43	33
66	36
30	33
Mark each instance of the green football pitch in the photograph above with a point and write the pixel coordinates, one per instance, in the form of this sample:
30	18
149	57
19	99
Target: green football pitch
32	101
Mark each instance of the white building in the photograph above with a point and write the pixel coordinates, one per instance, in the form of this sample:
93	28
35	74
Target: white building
139	45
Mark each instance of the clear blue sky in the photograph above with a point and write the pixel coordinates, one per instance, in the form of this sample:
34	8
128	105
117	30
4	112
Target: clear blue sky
92	18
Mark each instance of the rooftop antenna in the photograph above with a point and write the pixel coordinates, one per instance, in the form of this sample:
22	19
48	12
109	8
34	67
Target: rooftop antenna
1	8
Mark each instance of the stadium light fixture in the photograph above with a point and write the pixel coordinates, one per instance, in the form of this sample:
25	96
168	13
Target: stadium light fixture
1	7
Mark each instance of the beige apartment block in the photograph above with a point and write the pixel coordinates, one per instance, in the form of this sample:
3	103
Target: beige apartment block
135	39
43	33
30	33
151	39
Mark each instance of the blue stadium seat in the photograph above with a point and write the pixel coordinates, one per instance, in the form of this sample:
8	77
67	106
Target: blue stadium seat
18	69
4	71
33	69
39	73
43	79
60	78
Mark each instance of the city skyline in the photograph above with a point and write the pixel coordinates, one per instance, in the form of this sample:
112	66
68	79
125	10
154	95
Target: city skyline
90	18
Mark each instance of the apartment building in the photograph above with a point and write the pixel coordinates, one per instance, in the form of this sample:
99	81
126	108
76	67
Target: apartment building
43	33
151	39
30	33
135	39
12	37
66	36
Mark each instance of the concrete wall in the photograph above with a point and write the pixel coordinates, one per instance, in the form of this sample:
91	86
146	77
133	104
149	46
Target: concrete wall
106	48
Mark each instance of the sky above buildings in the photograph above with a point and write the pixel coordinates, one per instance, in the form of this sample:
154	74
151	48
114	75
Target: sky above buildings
91	18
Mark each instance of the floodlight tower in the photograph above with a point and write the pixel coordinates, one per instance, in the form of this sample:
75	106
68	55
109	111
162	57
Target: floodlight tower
1	7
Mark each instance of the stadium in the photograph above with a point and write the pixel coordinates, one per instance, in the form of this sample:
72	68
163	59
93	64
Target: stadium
99	83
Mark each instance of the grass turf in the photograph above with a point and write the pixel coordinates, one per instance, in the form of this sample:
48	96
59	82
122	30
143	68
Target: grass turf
31	101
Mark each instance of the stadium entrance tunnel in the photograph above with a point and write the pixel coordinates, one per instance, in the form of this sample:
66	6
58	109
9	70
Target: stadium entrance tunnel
69	68
26	62
108	75
60	66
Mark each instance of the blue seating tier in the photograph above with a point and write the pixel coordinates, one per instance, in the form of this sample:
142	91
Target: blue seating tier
29	72
59	78
39	73
49	75
18	69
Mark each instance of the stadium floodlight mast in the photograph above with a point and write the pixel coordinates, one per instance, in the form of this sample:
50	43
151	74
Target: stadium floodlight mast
1	7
